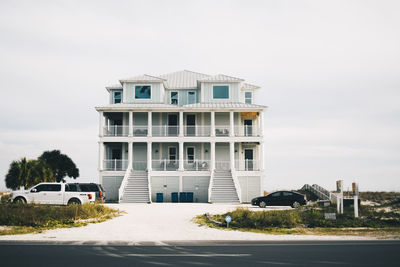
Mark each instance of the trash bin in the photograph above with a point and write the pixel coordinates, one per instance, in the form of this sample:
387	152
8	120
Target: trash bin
189	197
159	197
182	197
174	197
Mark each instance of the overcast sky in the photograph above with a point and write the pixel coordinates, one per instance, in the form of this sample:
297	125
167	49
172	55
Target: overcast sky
328	71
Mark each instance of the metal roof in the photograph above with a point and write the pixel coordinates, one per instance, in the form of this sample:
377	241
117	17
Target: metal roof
227	105
221	78
182	79
161	106
249	86
124	106
185	80
143	78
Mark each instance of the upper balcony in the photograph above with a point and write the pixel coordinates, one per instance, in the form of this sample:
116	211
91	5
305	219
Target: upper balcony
183	124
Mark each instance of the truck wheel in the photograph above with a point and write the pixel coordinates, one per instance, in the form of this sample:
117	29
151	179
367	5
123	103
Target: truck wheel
74	201
263	204
20	200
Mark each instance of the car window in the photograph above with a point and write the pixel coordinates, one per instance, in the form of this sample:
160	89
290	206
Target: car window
287	194
71	188
88	187
53	187
41	187
277	194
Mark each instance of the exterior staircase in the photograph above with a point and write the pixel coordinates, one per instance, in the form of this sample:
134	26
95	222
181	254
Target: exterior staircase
319	191
223	188
137	189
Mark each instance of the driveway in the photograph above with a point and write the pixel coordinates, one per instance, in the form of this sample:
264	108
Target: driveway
158	222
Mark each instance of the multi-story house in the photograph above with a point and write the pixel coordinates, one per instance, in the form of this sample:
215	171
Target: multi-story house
182	136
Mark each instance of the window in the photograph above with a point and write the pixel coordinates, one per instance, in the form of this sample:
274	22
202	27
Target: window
287	194
142	92
277	194
190	154
191	97
248	97
172	154
221	92
117	97
174	98
41	187
71	188
53	187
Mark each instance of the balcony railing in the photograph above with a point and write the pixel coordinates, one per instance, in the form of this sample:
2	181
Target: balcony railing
222	130
245	130
247	165
115	164
139	165
165	165
165	130
196	165
115	130
222	165
197	130
139	130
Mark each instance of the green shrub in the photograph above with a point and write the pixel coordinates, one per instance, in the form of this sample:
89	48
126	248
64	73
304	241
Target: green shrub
45	215
310	217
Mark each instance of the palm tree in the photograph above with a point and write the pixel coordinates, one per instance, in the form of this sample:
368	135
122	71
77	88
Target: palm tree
27	173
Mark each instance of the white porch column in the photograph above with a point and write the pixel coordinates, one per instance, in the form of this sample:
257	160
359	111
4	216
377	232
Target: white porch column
212	123
261	118
261	156
130	133
181	156
149	124
101	156
149	145
101	123
180	123
232	155
232	124
130	154
212	158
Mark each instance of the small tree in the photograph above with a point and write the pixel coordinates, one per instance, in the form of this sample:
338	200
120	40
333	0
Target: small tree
60	164
27	173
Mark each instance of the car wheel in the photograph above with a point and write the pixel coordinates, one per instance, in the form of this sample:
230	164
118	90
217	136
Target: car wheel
20	200
263	204
74	201
295	204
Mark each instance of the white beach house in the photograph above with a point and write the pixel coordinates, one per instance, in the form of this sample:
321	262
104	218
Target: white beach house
182	137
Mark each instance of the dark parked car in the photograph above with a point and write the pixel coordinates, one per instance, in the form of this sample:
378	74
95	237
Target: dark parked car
87	187
280	198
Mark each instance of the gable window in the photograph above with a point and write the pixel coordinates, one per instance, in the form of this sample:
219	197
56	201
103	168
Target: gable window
117	97
221	92
174	98
191	97
248	97
142	92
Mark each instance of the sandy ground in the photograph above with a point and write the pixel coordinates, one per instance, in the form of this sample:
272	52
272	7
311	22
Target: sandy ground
159	222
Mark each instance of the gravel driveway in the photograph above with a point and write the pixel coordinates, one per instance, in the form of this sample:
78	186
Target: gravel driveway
156	223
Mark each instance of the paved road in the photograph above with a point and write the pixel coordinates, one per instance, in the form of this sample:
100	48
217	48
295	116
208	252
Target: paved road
213	253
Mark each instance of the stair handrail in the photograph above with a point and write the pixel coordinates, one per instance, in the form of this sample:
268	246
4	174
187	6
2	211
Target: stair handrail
210	185
124	182
149	186
237	185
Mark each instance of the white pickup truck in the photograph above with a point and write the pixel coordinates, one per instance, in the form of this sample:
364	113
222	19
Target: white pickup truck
52	193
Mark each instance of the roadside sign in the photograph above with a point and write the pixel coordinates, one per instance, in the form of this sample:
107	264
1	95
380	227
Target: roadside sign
330	216
228	219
